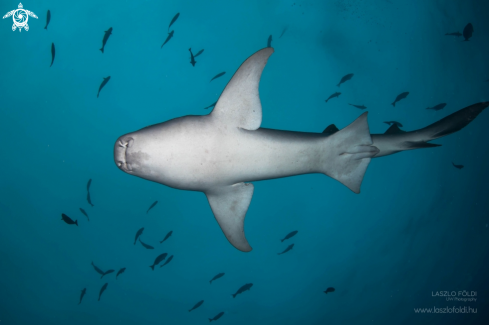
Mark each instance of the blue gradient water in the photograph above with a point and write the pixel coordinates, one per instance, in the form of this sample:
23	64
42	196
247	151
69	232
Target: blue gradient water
418	227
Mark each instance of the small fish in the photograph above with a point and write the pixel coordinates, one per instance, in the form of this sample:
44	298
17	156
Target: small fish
290	235
458	166
269	42
174	20
359	106
140	231
168	38
216	277
167	236
399	97
104	82
158	260
394	122
218	75
243	289
102	290
438	107
197	305
199	53
48	19
99	271
287	249
86	215
454	34
217	316
85	289
108	32
88	199
120	272
152	206
168	261
212	105
192	58
53	54
146	245
88	184
107	272
331	129
345	79
330	289
468	31
337	94
283	31
68	220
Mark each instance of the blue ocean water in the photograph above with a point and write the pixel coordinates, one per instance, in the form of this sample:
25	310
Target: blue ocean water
417	232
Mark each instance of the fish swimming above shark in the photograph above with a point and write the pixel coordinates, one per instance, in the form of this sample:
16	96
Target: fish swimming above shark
221	153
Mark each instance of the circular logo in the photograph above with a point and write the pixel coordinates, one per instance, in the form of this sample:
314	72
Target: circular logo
20	17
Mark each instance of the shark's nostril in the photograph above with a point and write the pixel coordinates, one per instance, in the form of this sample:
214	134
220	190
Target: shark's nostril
119	163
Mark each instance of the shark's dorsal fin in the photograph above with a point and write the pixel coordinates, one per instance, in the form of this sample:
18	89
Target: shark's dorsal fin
394	129
331	129
229	205
239	104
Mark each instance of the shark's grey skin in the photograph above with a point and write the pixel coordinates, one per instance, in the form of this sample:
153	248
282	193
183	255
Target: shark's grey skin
218	153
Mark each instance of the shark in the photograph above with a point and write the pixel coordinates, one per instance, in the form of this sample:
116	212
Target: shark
220	154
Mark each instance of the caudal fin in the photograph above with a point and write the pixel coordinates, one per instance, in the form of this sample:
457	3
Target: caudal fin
102	49
394	104
152	267
76	222
347	153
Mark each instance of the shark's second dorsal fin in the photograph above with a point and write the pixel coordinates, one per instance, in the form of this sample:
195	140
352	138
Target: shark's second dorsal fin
239	104
394	129
331	129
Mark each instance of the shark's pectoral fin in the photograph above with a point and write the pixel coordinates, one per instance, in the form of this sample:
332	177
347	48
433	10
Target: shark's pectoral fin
229	205
239	104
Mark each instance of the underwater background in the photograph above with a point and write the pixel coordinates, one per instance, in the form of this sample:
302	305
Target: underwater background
418	229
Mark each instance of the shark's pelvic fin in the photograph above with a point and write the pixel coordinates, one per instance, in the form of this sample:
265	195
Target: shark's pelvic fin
229	205
239	104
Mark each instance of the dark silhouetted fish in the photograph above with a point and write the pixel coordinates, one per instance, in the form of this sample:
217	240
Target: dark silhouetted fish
199	53
158	260
454	34
394	122
192	58
269	42
458	166
89	200
345	79
287	249
243	289
86	215
48	19
438	107
333	96
293	233
197	305
53	54
85	289
218	75
167	261
359	106
102	290
220	275
166	237
120	272
146	245
68	220
212	105
394	129
152	206
140	231
168	38
107	272
331	129
104	82
97	269
173	20
399	97
330	289
283	31
108	32
468	31
217	316
88	184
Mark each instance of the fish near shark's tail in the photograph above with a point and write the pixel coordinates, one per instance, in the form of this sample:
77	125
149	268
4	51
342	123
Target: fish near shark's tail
347	153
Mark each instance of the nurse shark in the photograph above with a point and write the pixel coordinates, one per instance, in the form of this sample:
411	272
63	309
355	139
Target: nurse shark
220	153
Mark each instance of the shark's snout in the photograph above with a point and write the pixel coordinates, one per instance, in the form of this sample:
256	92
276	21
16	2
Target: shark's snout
120	149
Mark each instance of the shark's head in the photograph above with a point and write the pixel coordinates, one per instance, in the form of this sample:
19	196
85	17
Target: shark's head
130	155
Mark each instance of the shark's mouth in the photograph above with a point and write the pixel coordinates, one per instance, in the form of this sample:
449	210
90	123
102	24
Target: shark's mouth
120	149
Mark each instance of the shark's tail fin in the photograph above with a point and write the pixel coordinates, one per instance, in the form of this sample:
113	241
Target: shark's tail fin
347	154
